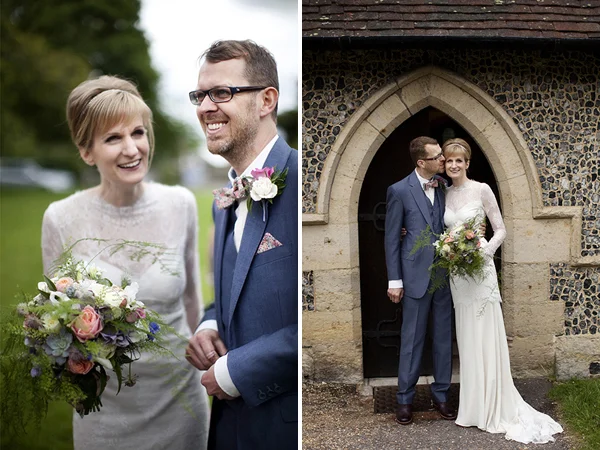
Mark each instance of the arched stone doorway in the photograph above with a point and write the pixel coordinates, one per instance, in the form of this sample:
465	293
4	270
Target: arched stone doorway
381	319
537	235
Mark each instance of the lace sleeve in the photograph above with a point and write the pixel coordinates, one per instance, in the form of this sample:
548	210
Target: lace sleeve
492	211
52	245
192	296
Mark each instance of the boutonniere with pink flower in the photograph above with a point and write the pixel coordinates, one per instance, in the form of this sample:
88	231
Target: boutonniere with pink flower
265	185
262	185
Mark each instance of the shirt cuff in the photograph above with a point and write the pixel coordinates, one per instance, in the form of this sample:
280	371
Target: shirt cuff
207	325
394	284
224	379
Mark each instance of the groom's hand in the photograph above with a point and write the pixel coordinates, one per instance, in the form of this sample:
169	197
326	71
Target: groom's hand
204	348
395	294
212	387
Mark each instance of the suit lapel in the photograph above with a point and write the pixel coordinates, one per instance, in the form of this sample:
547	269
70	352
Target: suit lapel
441	201
221	220
254	229
420	198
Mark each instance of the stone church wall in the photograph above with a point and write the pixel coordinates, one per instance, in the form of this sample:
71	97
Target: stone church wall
554	100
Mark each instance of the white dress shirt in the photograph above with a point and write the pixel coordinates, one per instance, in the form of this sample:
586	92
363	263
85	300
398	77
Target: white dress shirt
221	371
430	193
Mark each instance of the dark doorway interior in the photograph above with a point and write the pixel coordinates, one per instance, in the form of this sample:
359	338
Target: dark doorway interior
381	319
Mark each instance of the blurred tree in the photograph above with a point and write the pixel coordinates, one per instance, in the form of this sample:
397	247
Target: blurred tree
49	47
288	121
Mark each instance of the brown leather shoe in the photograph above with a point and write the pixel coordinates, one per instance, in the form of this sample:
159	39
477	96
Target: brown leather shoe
404	414
445	410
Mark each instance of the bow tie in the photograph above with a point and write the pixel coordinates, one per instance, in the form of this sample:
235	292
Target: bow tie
227	196
431	184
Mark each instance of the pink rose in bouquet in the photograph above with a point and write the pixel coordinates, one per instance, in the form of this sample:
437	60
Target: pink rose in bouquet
87	325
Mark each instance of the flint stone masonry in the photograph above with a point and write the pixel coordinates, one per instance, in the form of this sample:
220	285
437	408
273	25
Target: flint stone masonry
308	291
553	97
579	290
550	102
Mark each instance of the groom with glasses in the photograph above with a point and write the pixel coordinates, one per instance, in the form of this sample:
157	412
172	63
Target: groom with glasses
248	340
415	203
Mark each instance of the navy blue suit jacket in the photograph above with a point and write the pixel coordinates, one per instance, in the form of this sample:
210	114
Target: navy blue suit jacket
407	208
261	332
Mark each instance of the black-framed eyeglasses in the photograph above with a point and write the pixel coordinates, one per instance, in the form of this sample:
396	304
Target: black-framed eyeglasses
435	158
220	94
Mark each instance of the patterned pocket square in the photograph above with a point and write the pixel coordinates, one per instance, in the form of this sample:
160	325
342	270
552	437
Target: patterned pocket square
268	243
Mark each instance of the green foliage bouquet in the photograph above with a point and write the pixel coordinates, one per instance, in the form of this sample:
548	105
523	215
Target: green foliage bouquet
59	344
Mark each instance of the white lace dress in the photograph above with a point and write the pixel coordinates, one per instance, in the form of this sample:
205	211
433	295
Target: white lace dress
488	397
168	406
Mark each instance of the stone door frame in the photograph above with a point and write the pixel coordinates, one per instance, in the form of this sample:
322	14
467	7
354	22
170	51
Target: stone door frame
537	235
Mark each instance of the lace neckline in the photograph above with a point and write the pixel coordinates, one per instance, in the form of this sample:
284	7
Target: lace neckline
464	186
139	207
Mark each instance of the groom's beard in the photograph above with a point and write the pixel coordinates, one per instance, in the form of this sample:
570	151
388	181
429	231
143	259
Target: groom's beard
243	131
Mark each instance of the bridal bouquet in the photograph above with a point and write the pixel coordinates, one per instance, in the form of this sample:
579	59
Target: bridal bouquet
459	251
59	344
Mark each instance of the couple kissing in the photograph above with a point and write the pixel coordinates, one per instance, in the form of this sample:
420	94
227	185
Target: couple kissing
488	398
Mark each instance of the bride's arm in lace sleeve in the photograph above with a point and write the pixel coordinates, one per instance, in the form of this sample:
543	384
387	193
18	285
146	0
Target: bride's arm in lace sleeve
492	211
192	296
52	245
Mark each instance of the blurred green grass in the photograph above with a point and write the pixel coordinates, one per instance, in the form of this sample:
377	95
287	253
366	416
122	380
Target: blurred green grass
21	213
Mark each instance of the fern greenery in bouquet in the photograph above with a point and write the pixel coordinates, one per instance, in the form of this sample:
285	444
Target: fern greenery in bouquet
61	343
457	251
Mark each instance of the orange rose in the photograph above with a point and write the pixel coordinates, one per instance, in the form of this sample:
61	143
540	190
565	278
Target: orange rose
79	365
63	283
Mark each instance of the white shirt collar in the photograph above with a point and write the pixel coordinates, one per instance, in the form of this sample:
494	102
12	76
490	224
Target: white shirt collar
421	179
258	162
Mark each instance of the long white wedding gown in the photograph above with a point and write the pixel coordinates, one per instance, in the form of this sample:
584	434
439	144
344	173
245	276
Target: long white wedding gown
488	397
168	406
